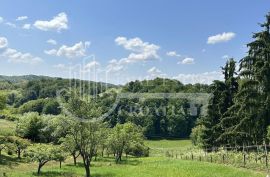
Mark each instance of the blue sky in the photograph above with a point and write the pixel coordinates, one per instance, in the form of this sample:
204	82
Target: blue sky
122	40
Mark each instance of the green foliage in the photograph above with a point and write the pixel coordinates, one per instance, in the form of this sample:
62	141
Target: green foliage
125	138
3	101
17	144
86	136
42	154
3	144
196	135
32	106
30	126
60	154
45	106
51	107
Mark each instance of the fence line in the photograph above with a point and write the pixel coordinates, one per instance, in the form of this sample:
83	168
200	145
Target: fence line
251	157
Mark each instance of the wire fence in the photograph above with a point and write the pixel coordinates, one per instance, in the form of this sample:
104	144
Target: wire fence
252	157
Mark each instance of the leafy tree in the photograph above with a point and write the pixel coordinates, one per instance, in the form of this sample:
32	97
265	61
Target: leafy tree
59	155
247	120
30	126
51	107
42	154
86	136
122	137
18	143
70	146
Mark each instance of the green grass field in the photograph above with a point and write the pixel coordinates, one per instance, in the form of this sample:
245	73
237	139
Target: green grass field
135	167
159	147
157	165
7	127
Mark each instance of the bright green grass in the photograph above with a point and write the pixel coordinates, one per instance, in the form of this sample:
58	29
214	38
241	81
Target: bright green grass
141	167
169	144
132	167
159	147
7	127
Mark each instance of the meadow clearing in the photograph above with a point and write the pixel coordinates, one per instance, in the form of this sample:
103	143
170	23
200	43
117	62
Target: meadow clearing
155	165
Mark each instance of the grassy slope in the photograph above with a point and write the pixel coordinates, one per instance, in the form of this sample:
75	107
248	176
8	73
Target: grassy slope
7	127
133	167
159	147
141	167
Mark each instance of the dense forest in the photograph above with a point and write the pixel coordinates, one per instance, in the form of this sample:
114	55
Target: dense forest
238	113
38	94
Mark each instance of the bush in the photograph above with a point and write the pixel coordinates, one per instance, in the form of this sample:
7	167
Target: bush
196	135
30	126
139	150
45	106
32	106
51	107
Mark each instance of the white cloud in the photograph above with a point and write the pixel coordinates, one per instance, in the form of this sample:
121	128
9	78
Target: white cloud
141	51
51	41
15	56
114	66
91	65
203	78
58	23
224	37
51	52
3	42
1	19
155	72
173	54
11	24
75	51
26	26
187	61
225	56
21	18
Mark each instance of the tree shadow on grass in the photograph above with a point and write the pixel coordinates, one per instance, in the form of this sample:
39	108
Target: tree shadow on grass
54	173
132	162
103	175
9	161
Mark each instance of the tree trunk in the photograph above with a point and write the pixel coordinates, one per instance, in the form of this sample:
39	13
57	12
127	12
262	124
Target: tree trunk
19	153
87	171
102	152
60	164
39	169
74	159
86	163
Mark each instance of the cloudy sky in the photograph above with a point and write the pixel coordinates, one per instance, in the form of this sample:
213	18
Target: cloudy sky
118	40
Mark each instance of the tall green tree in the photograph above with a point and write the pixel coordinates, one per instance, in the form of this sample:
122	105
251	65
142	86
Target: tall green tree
248	118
